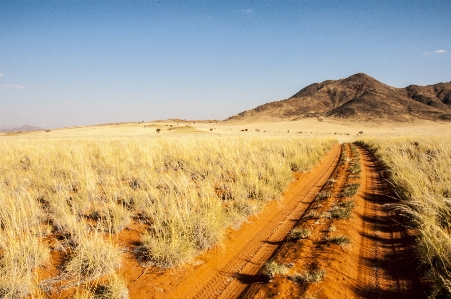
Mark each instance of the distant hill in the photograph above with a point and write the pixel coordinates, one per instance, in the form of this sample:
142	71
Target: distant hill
358	97
24	128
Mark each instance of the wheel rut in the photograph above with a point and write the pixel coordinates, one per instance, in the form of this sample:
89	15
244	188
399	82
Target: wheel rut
387	267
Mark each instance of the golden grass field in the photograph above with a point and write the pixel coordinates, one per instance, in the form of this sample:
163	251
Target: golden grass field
73	195
66	194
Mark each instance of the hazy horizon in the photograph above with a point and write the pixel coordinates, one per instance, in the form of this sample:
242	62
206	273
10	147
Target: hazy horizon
90	62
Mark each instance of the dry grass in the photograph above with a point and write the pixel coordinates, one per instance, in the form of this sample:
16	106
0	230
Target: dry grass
420	171
299	233
339	240
314	276
273	268
75	195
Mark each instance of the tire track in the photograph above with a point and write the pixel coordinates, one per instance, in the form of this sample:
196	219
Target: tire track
386	266
230	271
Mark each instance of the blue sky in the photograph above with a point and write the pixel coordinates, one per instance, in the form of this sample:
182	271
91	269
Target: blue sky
66	63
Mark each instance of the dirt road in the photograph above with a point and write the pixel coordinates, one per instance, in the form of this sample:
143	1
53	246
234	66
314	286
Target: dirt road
378	261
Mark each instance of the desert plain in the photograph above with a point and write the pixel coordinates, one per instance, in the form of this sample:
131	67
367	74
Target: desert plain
334	227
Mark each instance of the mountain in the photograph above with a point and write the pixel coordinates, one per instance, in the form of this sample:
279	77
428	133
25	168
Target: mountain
361	98
24	128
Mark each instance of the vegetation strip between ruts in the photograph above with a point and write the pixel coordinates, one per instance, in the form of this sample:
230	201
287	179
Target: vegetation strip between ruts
295	255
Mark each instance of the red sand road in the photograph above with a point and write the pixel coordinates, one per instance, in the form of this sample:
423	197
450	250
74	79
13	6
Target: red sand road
379	262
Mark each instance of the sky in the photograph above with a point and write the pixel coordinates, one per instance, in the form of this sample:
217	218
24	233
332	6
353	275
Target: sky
70	63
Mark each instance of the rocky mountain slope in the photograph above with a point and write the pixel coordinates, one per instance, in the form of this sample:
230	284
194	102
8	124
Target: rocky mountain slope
358	97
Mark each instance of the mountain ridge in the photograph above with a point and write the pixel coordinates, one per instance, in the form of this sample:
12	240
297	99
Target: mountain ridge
358	97
24	128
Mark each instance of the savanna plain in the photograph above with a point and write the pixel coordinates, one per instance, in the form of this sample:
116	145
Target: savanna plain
177	209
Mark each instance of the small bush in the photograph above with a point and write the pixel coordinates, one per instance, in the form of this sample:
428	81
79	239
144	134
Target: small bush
299	233
312	214
272	268
325	215
93	258
340	213
350	190
114	288
19	256
340	240
342	210
309	276
350	204
317	206
324	195
354	168
111	218
331	181
166	252
332	228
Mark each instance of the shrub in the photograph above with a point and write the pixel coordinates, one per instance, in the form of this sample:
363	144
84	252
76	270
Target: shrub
93	258
167	250
331	182
350	189
299	233
312	214
272	268
20	256
350	204
315	276
325	215
338	212
323	195
340	240
332	228
114	288
355	168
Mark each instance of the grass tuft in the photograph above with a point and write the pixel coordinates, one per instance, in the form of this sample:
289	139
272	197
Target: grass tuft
299	233
272	268
315	276
350	189
340	240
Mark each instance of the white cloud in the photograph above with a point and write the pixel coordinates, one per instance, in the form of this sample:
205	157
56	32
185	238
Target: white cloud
248	10
15	86
440	51
1	75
